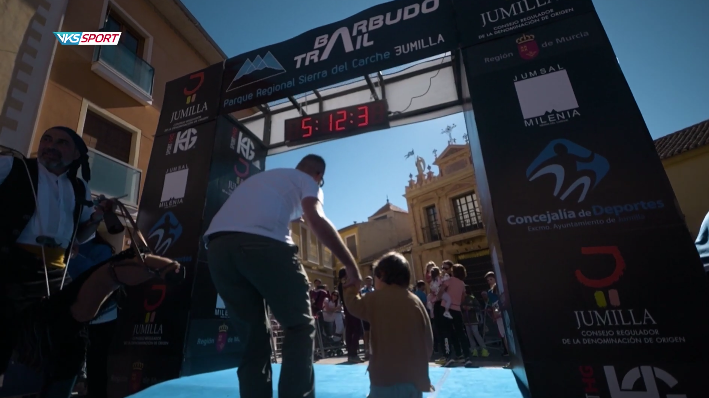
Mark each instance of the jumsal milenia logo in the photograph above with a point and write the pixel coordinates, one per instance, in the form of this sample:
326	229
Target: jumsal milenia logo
574	172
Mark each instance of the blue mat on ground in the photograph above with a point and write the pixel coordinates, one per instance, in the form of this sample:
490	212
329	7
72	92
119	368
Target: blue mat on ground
335	381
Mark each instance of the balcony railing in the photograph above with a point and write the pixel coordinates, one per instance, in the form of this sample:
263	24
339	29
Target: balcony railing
128	64
465	222
431	233
113	178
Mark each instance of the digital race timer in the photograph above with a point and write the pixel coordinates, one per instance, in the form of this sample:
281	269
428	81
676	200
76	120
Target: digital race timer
340	122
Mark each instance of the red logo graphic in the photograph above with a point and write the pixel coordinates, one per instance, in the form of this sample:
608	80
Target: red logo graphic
150	308
136	377
606	281
527	47
192	94
245	173
222	337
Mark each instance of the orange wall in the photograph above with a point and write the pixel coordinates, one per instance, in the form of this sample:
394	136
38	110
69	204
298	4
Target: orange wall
71	78
689	176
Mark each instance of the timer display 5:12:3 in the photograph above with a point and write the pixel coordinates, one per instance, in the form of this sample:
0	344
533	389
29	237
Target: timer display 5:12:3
346	121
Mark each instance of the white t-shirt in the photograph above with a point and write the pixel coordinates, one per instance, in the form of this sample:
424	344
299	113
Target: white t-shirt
55	196
265	204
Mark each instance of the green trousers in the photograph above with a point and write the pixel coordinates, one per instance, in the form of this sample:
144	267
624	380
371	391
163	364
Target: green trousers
246	270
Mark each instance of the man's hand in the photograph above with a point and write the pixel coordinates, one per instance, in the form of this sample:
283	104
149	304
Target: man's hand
353	277
104	206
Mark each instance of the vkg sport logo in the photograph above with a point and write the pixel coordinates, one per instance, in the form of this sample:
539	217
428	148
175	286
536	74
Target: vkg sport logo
572	166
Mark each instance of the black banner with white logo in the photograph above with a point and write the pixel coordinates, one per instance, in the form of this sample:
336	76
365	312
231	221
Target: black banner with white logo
237	155
154	318
379	38
587	222
485	20
191	100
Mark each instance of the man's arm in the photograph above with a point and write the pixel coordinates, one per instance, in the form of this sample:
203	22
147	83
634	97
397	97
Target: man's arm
355	303
326	232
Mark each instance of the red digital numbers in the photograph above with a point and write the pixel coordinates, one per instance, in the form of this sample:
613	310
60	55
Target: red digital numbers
305	127
338	123
364	115
342	117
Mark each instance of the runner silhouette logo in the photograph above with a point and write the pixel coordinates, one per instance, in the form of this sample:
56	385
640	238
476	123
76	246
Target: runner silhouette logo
637	377
572	166
166	232
256	70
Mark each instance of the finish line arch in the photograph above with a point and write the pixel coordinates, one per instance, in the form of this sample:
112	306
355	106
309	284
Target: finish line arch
546	108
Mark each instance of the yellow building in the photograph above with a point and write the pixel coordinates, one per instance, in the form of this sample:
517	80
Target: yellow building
387	229
685	156
316	258
446	216
111	95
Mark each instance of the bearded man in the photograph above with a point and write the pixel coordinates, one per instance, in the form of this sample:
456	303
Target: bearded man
44	207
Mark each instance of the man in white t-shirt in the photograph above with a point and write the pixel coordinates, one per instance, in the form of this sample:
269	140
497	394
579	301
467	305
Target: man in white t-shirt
252	258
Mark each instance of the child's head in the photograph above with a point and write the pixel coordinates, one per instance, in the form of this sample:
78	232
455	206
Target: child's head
435	273
459	272
392	269
420	285
490	278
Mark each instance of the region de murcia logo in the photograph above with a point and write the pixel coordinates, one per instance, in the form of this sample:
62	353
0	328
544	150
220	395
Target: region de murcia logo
638	377
527	46
136	377
222	337
192	93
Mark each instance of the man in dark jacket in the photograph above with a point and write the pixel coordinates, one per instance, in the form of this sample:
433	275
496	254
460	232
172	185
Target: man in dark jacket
44	208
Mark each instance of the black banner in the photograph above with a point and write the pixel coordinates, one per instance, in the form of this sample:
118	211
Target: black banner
379	38
154	319
134	372
586	218
484	20
191	100
237	155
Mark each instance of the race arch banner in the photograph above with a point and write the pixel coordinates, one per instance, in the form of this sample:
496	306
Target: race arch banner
379	38
587	228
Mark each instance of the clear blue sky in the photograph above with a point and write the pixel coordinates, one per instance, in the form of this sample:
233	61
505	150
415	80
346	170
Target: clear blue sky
662	48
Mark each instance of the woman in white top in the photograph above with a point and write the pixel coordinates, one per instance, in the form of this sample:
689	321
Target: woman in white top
332	312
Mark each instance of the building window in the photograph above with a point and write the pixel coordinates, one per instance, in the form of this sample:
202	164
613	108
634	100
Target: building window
467	213
351	242
384	217
106	137
431	231
327	257
130	38
313	254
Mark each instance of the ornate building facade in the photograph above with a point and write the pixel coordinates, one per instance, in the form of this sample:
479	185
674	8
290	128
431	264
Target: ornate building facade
446	216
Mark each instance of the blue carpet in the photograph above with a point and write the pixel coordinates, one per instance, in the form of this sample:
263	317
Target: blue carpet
333	381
